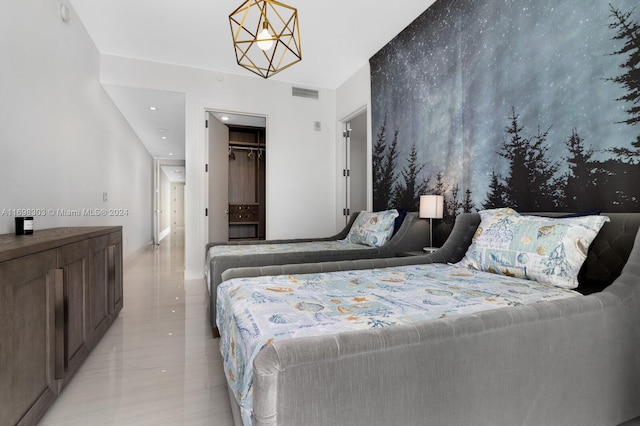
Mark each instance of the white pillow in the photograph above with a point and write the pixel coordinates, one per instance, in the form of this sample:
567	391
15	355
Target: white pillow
372	228
547	250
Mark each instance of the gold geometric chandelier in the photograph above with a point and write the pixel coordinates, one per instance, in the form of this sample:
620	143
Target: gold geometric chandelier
266	36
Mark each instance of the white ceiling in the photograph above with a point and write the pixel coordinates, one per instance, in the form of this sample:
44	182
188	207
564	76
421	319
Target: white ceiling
174	173
240	119
161	130
338	37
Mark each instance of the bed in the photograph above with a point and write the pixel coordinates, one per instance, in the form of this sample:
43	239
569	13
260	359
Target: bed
567	356
367	235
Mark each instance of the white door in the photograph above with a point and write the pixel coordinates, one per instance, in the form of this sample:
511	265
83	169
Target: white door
358	163
177	205
218	138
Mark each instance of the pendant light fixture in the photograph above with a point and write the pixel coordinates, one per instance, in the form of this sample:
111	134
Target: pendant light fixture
266	36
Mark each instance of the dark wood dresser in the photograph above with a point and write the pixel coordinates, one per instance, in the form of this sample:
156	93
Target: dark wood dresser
60	290
244	221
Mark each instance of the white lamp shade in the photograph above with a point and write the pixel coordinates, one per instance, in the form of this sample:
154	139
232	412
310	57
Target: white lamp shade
431	206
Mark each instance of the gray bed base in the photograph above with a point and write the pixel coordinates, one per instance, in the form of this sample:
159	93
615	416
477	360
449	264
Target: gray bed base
412	235
567	362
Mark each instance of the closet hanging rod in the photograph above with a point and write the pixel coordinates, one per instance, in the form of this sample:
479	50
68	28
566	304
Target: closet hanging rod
244	148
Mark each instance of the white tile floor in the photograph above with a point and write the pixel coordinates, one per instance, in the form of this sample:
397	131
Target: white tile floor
158	363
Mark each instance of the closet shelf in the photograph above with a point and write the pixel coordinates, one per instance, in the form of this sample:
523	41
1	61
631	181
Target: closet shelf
247	144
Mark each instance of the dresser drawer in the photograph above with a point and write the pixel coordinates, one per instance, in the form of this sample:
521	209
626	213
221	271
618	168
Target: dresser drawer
243	209
243	213
243	217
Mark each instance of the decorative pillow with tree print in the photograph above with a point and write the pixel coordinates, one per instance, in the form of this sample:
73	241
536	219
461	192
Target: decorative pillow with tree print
372	228
547	250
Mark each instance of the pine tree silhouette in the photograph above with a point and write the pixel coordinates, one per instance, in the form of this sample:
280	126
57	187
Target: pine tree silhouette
384	169
440	188
407	194
389	175
622	179
516	189
547	189
628	31
580	190
495	197
454	206
376	165
467	203
531	184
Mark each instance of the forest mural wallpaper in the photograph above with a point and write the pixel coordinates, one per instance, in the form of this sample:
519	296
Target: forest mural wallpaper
531	104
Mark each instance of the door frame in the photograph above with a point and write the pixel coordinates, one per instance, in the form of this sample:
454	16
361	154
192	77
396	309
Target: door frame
341	161
157	169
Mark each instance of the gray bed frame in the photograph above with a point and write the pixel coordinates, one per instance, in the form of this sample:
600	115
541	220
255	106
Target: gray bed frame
573	361
412	235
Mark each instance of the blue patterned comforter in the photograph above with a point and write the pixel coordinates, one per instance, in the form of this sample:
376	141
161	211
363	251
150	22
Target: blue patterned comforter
254	312
279	248
242	249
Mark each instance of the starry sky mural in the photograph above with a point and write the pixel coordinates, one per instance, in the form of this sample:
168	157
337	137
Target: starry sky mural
452	82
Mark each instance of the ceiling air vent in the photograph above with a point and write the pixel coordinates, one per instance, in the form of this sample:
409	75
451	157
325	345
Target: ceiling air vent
304	93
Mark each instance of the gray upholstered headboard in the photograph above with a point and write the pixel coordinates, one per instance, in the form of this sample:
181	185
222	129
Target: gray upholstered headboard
609	252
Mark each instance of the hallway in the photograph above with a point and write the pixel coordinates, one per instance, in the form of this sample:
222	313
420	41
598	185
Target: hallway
157	364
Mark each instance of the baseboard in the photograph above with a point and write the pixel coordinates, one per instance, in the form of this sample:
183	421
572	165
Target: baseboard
193	275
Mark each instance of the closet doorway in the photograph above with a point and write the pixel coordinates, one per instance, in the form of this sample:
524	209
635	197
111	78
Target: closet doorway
237	176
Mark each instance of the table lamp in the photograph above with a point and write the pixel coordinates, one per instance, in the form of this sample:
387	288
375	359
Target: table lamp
431	207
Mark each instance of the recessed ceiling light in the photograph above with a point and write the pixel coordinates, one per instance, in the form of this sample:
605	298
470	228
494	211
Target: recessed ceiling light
171	153
164	137
153	108
178	171
224	118
162	130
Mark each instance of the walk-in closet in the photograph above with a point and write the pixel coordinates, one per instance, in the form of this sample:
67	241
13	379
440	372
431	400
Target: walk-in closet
236	174
246	183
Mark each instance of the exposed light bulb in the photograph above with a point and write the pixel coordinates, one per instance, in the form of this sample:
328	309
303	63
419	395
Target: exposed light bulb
264	39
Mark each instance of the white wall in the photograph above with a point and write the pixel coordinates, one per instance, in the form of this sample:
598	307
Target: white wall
301	171
354	94
63	142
